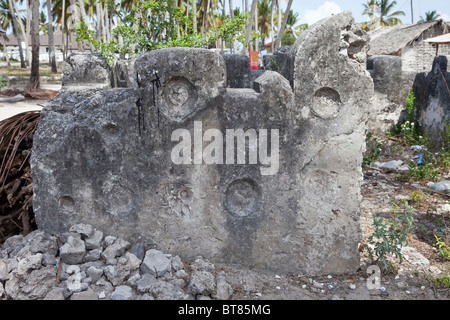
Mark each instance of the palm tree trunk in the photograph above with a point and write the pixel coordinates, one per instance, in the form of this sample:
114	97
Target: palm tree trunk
98	9
16	31
271	23
205	17
28	30
82	11
116	22
22	28
75	17
283	24
194	16
233	45
256	29
248	30
34	78
279	15
63	27
84	19
51	42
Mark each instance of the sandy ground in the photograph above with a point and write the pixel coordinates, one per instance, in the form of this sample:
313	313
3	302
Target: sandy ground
12	108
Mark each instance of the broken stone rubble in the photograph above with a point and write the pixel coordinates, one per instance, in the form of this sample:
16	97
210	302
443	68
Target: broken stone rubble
116	275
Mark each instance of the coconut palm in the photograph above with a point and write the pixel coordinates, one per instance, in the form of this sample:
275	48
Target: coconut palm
380	14
283	25
387	17
430	16
16	32
51	41
264	18
34	77
5	15
5	23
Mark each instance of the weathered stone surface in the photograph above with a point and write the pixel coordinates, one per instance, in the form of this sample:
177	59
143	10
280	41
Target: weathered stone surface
113	159
156	263
122	293
433	98
145	282
34	286
238	70
94	241
224	291
115	250
86	71
29	263
73	251
202	283
84	295
392	86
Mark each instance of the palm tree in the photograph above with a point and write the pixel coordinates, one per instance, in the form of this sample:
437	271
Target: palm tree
283	25
248	29
386	17
5	15
264	18
16	32
51	41
5	23
371	8
430	16
380	14
34	77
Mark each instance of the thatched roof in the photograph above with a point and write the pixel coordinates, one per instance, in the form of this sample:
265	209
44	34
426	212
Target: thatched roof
392	40
444	39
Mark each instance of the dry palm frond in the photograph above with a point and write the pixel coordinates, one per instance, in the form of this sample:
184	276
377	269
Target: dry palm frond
16	140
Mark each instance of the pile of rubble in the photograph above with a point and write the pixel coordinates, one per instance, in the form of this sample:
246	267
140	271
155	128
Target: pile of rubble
83	264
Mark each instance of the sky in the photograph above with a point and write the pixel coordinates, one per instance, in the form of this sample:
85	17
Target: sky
312	11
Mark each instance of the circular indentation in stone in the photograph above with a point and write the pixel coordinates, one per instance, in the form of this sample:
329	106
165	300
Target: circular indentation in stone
110	131
326	103
66	204
177	99
184	194
120	201
243	197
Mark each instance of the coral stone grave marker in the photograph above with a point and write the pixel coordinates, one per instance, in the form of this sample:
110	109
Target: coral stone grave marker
266	178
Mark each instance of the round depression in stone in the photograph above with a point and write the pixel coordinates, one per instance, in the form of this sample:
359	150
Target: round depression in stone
243	197
178	97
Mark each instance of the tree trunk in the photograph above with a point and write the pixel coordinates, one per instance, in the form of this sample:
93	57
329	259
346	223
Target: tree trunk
24	35
279	16
99	13
63	27
283	24
205	18
34	79
194	16
248	30
84	19
51	42
232	46
271	24
28	32
256	29
75	18
17	33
